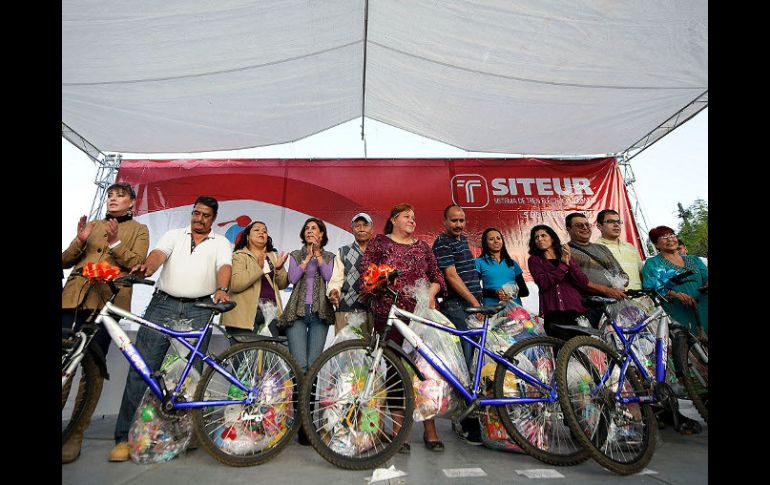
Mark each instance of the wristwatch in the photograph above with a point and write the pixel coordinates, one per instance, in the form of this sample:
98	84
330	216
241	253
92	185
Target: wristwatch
225	289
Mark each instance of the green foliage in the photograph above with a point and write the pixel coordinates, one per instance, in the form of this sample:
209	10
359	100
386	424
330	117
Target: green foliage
694	229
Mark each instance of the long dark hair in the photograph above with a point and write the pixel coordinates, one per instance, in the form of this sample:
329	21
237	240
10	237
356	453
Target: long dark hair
396	210
485	252
243	238
321	226
534	250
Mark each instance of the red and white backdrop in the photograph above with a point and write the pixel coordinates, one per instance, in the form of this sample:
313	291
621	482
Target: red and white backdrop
511	195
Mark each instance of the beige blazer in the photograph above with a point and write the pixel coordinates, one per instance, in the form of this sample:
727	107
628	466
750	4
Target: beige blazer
132	250
245	285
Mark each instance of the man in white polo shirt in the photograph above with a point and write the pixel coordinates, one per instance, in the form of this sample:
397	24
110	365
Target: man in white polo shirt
197	264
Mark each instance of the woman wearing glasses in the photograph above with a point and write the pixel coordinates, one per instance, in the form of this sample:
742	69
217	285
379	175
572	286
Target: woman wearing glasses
686	304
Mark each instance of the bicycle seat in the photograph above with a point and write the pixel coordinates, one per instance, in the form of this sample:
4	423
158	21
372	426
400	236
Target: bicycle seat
598	301
221	307
487	310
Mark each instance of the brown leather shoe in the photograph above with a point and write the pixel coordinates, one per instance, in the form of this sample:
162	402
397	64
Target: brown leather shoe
119	452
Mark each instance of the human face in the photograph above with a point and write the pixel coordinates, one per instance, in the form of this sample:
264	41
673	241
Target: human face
611	226
580	230
258	236
362	231
667	243
404	222
202	219
494	242
118	202
543	240
455	222
313	233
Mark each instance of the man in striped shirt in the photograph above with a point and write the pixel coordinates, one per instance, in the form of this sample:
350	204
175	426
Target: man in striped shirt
456	261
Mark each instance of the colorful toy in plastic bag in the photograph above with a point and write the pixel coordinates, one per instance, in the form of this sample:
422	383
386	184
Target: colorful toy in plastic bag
353	330
155	436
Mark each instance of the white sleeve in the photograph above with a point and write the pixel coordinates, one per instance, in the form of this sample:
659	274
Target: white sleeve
167	242
338	276
224	253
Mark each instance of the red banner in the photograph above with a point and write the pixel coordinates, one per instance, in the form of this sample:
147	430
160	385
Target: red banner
511	195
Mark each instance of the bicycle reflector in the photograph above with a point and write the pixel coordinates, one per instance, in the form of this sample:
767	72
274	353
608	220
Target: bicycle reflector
102	271
376	274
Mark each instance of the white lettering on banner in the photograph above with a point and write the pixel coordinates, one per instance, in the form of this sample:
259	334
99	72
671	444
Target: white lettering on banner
544	186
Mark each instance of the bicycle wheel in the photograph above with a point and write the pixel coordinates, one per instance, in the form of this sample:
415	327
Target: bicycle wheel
620	437
88	383
345	429
693	372
245	435
538	428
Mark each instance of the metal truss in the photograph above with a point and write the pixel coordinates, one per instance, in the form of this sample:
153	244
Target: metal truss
107	169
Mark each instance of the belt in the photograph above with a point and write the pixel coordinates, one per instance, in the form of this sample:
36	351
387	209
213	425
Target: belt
182	299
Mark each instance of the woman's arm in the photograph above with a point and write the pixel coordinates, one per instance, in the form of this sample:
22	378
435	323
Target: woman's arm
545	274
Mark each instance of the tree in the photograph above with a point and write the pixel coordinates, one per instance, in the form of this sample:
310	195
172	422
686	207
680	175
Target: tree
694	229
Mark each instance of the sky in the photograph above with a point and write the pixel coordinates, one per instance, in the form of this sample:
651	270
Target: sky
674	169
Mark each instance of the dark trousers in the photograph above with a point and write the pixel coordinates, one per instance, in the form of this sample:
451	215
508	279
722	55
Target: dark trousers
74	319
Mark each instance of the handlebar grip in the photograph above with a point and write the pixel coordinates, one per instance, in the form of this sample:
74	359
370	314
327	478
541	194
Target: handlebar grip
131	279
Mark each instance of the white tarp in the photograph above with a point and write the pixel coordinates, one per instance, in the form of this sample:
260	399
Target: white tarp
533	77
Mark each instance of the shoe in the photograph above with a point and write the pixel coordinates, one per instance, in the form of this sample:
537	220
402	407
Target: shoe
688	426
433	445
119	452
405	449
471	432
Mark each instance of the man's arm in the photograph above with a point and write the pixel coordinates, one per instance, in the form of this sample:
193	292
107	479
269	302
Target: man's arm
223	280
334	286
151	264
458	285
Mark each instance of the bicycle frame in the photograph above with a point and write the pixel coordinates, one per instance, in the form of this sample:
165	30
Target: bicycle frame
435	361
140	366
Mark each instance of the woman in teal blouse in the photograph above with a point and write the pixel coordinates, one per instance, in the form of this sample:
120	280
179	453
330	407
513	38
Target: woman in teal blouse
496	268
684	299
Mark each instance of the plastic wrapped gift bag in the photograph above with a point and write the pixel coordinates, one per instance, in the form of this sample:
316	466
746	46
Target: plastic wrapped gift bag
628	313
434	396
354	328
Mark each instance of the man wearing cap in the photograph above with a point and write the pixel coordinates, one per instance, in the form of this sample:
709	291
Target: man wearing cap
346	275
197	264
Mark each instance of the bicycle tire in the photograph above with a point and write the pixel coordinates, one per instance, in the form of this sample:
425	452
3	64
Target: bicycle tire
620	437
327	405
693	373
538	428
82	409
240	435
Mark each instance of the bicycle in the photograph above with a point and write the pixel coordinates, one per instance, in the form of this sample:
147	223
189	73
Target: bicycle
249	391
606	392
357	398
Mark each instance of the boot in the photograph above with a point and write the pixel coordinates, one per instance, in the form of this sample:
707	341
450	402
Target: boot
70	450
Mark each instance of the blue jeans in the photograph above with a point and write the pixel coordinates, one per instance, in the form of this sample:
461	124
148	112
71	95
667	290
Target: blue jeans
152	346
307	337
454	310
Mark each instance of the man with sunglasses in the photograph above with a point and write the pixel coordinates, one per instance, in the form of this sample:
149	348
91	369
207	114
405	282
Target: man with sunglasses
605	275
197	264
609	223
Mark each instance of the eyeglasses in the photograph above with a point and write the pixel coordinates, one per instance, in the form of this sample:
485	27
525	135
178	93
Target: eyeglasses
613	221
668	236
198	213
582	225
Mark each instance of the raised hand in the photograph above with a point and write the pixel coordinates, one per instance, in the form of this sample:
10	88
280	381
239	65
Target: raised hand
281	260
112	231
84	229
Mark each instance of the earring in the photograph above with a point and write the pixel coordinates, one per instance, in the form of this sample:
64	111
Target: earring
130	212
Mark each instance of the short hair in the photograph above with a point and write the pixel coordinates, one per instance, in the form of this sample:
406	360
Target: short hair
123	186
657	232
602	213
208	202
446	210
536	251
569	218
396	210
321	226
242	239
485	252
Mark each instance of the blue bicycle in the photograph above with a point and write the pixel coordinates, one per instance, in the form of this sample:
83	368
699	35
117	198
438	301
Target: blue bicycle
606	392
244	406
357	398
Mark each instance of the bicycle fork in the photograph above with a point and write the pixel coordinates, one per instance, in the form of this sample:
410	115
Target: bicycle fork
77	356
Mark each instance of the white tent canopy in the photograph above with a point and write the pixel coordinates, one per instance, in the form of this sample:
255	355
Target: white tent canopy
572	77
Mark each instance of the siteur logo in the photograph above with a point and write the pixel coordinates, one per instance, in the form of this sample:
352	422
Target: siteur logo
470	191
